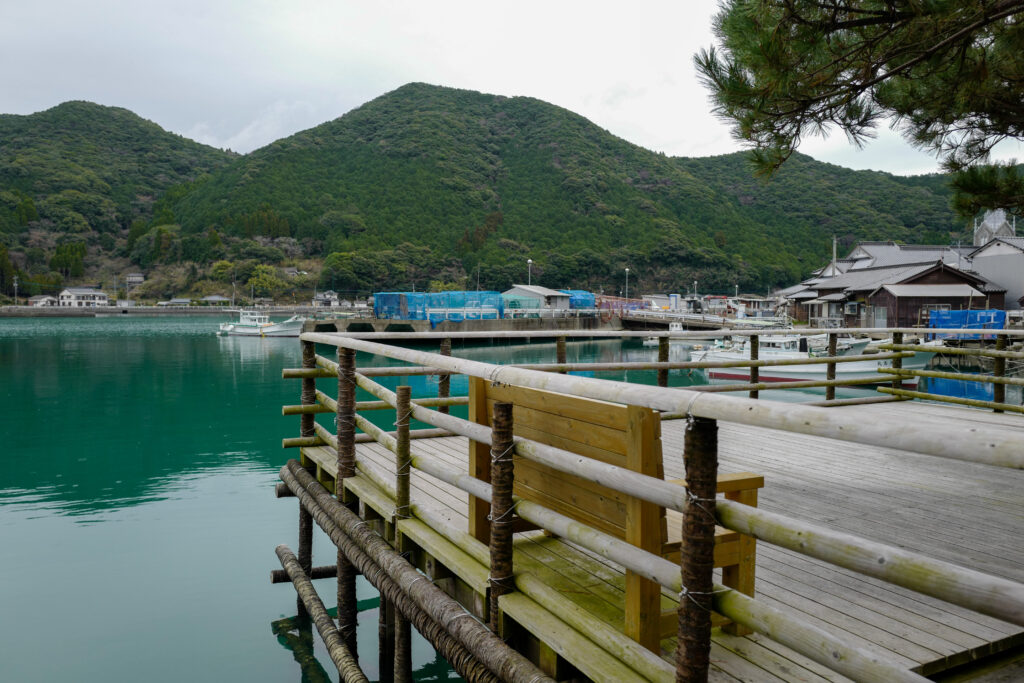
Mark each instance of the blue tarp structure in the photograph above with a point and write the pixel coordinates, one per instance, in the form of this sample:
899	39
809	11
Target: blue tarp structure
958	388
437	306
968	319
579	298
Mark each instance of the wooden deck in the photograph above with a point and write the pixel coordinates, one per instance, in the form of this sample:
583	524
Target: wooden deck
969	514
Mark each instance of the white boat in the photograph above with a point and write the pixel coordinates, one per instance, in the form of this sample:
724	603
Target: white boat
258	324
795	348
688	340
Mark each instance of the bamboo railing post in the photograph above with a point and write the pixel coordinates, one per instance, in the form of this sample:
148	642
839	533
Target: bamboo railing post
662	358
444	382
403	466
560	356
502	580
348	610
697	552
307	397
999	370
897	363
830	369
755	372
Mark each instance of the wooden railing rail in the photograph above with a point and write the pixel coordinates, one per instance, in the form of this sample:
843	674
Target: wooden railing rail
645	564
993	448
995	596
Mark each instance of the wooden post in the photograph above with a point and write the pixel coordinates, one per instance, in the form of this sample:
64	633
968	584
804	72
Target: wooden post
755	373
560	353
897	363
386	640
643	528
308	397
501	580
662	358
999	370
479	462
444	382
698	549
402	629
830	369
348	610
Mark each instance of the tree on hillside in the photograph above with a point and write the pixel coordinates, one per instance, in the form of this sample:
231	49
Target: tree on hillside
949	72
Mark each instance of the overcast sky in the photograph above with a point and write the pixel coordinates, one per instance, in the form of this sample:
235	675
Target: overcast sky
240	74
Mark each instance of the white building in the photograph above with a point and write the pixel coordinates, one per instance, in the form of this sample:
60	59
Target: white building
328	299
83	297
134	279
42	300
547	298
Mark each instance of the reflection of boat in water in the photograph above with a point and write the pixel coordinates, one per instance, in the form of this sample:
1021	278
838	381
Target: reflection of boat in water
796	348
258	324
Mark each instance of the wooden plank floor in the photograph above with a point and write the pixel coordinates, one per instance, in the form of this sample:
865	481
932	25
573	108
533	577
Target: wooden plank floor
968	514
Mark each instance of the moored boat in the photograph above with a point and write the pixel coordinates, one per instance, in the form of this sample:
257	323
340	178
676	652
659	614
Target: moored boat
796	348
258	324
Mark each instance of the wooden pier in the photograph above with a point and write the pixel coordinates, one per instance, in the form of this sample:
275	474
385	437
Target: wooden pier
924	501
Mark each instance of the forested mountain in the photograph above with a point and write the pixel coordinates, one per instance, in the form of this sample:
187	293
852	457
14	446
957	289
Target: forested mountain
74	177
435	185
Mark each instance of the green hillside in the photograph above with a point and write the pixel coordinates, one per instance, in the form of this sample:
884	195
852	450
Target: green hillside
432	186
86	167
493	181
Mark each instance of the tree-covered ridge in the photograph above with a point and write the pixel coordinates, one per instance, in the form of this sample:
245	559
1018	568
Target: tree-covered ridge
806	202
81	167
496	180
430	187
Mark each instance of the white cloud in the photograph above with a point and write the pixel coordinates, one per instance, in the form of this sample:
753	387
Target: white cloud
203	68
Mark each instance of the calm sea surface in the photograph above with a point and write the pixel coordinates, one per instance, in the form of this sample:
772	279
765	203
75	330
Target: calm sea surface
137	513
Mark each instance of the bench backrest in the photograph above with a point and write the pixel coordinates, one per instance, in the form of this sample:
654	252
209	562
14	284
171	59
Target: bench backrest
626	436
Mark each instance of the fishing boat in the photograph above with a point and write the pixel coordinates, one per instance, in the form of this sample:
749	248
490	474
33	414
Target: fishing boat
258	324
797	348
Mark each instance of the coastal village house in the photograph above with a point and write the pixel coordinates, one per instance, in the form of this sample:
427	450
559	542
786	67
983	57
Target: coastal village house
328	299
132	280
82	297
42	300
883	284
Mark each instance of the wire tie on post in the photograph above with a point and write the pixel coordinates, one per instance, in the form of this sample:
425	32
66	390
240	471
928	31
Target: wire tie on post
692	498
689	410
502	457
511	509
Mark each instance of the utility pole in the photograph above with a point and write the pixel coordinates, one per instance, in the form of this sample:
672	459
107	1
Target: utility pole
15	290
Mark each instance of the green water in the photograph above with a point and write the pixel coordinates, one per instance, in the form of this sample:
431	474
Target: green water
137	516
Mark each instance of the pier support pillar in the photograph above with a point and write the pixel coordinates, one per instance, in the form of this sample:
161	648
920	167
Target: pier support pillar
348	610
755	373
897	363
662	358
830	369
502	580
444	382
402	630
308	397
560	356
999	370
698	549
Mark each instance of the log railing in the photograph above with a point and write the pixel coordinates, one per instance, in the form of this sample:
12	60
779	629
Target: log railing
991	595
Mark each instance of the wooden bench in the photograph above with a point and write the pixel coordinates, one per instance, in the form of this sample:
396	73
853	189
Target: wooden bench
626	436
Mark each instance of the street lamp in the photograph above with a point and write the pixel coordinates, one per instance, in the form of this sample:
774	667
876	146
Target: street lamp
529	271
627	283
737	291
